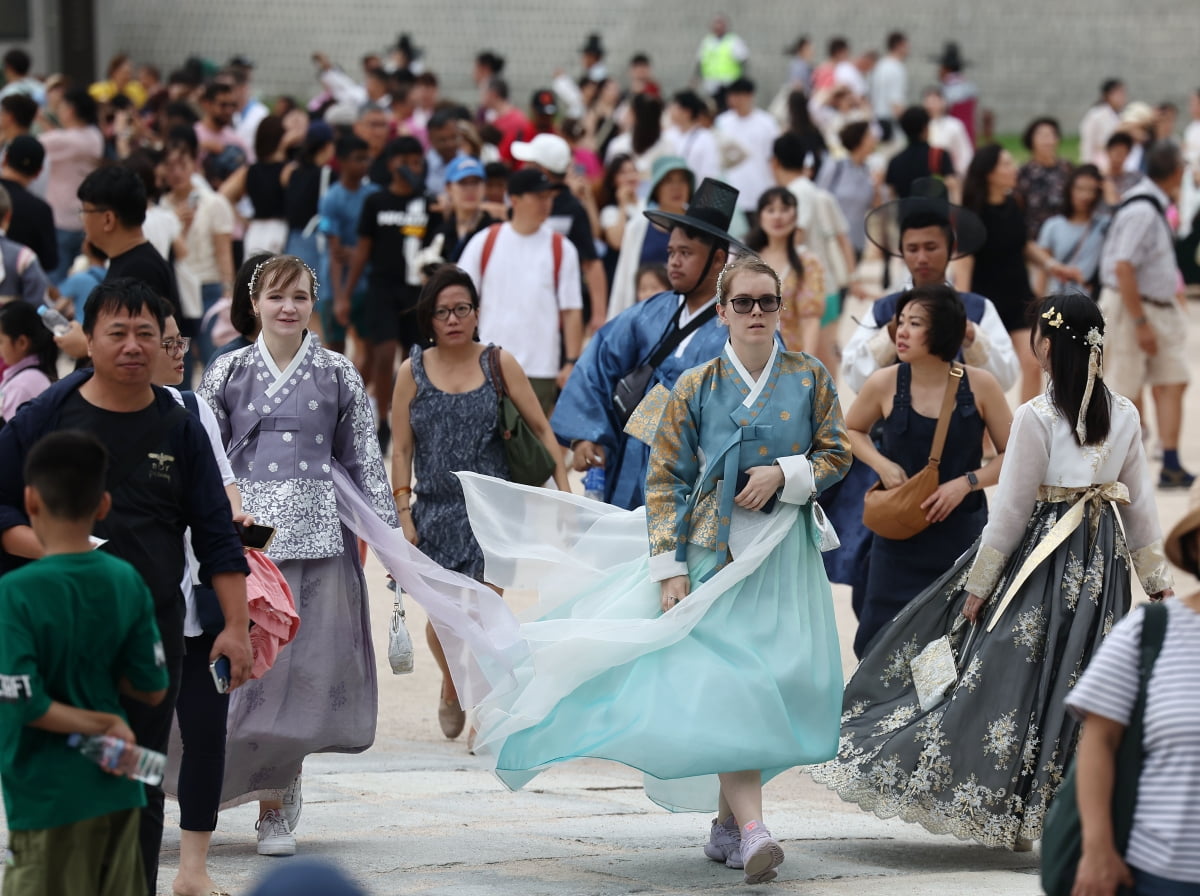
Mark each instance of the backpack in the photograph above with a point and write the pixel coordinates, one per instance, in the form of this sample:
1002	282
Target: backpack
489	243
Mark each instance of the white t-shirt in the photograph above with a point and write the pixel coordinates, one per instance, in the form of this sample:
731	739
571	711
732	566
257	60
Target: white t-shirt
848	74
519	302
191	574
950	134
698	147
756	134
889	87
214	215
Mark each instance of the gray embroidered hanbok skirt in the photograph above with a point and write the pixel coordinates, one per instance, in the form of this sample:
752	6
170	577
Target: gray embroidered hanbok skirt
985	762
321	696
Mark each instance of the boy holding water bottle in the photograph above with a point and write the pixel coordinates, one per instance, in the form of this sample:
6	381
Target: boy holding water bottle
77	624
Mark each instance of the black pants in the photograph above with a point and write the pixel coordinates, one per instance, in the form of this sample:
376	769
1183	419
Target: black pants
201	712
151	726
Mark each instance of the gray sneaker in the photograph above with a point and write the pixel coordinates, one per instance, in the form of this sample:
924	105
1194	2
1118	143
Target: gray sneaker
293	802
274	837
725	843
761	853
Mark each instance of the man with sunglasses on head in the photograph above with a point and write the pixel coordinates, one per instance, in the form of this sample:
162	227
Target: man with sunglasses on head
649	344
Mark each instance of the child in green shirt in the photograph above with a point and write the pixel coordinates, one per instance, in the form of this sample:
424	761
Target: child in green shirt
77	630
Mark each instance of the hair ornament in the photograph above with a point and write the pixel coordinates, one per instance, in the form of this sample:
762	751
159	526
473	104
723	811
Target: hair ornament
262	264
1053	318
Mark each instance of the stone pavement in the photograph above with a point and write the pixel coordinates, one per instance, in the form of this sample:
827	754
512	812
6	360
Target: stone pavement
417	815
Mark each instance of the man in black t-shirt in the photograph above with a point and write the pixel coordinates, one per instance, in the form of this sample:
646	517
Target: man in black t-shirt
163	479
395	224
32	220
919	159
112	203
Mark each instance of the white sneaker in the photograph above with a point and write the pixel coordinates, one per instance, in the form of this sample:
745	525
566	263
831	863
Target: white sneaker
293	802
274	836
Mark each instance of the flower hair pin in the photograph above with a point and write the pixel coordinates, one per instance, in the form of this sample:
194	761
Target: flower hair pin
1094	338
259	267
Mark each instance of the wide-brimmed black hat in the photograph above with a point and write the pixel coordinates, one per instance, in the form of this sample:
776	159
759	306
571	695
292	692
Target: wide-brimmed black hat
950	58
710	211
929	204
593	45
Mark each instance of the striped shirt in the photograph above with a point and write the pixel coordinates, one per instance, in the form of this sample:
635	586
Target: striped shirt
1166	825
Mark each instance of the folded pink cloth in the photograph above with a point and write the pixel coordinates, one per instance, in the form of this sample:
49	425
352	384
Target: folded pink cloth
272	610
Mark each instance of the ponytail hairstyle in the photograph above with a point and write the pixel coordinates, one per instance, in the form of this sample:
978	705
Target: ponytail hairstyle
1075	327
19	319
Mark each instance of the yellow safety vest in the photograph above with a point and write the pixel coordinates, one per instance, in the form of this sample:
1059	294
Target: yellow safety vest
717	62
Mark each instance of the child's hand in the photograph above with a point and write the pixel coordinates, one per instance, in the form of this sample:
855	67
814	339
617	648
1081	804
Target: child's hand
118	728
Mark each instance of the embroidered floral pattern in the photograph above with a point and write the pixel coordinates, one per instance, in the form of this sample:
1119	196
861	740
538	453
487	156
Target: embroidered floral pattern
899	665
896	719
1072	581
1001	739
1030	632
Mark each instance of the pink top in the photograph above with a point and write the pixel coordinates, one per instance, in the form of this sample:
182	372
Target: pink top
272	610
226	137
20	383
71	155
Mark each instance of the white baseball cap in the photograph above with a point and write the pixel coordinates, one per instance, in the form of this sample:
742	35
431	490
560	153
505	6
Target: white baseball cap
548	150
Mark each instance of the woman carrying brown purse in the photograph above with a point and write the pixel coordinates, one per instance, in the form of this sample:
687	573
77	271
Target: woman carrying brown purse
907	397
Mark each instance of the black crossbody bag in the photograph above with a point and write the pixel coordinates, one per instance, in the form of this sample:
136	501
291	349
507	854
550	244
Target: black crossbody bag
631	388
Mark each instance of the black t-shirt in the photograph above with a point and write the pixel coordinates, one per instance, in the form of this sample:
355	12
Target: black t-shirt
265	190
379	172
302	195
143	262
452	246
32	224
398	227
1000	272
916	161
146	524
570	218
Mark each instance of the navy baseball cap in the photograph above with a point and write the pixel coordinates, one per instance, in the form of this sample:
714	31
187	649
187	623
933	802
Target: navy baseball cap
529	180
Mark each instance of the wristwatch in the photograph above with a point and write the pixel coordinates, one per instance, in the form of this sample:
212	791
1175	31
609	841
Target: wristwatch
972	480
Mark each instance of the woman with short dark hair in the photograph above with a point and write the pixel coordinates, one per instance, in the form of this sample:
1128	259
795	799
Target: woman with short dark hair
930	324
1040	181
444	421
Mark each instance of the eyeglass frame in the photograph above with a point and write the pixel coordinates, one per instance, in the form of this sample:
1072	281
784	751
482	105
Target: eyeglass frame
443	314
177	347
756	300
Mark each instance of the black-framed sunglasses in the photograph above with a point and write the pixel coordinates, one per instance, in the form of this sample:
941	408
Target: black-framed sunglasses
745	304
459	311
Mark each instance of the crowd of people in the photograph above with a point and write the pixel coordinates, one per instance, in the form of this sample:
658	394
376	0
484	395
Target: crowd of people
659	283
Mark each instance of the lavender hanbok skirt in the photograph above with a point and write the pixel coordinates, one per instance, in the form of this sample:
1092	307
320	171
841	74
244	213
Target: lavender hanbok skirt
322	694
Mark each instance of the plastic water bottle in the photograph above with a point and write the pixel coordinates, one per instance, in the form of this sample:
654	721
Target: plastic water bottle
593	483
55	322
117	757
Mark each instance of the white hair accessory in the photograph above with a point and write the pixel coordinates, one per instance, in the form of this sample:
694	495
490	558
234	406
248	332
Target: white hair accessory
262	264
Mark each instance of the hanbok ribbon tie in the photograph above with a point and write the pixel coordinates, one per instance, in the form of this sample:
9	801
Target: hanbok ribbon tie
1095	495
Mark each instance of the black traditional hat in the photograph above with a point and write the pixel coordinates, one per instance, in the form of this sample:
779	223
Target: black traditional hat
593	45
930	205
710	211
950	58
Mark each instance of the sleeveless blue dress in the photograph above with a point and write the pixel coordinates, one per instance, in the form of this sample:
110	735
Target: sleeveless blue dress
452	431
900	570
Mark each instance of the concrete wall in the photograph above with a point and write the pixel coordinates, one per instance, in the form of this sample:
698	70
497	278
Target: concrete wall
1030	56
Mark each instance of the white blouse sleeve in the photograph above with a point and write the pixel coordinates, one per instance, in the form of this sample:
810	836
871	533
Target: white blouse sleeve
1143	533
1026	460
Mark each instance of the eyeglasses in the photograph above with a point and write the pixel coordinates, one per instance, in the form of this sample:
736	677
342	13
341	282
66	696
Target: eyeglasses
177	347
745	304
460	311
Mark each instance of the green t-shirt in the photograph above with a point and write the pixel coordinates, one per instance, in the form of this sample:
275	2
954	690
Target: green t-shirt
71	626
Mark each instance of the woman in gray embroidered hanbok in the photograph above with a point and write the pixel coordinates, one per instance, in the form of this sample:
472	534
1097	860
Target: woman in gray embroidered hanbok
1047	581
290	411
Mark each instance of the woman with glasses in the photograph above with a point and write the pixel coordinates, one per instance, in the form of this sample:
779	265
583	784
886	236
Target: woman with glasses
297	426
908	397
444	421
709	661
200	710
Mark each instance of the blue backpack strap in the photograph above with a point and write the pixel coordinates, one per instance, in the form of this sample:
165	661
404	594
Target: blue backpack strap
191	402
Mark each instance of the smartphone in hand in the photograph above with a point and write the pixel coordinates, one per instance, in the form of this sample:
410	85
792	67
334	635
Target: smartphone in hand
743	480
256	537
221	673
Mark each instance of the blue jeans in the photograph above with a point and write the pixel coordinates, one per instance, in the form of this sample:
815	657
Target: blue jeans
1146	884
70	242
210	294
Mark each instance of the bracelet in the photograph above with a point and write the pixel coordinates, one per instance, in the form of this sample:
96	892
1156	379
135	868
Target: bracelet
570	360
401	490
403	509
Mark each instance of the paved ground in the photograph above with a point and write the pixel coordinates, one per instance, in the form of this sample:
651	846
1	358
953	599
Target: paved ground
417	815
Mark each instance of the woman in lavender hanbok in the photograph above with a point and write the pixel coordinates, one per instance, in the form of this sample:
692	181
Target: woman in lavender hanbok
290	413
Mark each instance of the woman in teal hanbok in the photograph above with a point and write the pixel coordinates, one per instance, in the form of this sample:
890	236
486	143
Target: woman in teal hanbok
711	661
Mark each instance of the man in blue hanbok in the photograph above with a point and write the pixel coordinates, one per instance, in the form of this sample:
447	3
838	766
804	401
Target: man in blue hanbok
651	343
